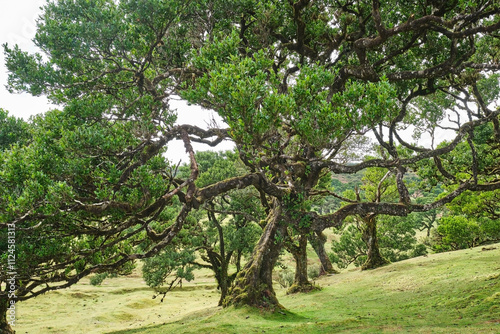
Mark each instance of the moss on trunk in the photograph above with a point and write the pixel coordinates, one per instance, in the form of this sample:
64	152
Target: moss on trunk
374	258
253	285
301	282
317	241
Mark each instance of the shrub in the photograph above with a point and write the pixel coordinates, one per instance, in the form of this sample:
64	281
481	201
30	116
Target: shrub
313	272
286	277
459	232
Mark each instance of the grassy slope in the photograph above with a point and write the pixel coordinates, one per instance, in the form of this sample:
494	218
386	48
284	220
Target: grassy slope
456	292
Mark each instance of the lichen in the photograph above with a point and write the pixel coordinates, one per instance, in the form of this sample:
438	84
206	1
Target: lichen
302	288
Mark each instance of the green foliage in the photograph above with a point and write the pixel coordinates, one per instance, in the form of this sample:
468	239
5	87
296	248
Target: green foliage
313	272
97	279
459	232
12	130
396	239
298	84
350	248
254	107
214	167
170	263
67	164
473	219
378	184
286	277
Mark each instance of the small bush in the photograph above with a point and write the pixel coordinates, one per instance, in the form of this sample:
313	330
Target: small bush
286	277
419	250
456	232
313	272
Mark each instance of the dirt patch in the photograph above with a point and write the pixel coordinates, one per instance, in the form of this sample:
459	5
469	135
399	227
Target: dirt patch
81	295
129	290
495	321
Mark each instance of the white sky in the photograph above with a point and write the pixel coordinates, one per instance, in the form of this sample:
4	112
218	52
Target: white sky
18	26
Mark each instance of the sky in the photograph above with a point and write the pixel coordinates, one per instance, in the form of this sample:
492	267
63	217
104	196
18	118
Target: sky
18	26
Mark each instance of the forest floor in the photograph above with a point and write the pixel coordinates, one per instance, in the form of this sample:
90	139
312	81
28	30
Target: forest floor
455	292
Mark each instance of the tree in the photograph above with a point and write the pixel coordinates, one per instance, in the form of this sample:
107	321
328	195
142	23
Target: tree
171	266
58	209
318	241
293	81
294	99
224	242
93	183
224	230
472	221
12	130
378	185
472	217
396	241
232	225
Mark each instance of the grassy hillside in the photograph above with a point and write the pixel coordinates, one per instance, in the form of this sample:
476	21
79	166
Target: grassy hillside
456	292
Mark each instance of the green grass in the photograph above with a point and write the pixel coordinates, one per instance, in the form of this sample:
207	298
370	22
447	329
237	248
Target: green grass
457	292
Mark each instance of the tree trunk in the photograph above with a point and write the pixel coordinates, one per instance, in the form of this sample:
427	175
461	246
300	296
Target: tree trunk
254	283
223	283
220	262
238	260
374	258
5	327
301	282
317	241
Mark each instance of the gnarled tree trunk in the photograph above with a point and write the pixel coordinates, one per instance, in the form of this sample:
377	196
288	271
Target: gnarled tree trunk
374	258
219	265
317	241
220	261
301	282
254	284
5	327
223	283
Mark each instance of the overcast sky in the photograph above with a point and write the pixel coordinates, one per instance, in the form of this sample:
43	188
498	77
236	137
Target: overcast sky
18	26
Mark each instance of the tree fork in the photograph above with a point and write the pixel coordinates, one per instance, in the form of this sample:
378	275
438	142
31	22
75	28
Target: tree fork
317	241
301	282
